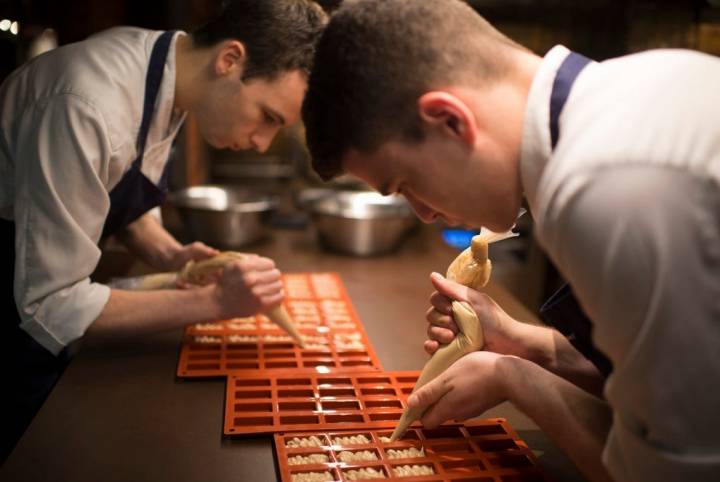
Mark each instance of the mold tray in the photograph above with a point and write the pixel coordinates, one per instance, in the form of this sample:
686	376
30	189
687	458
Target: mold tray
478	450
278	403
320	308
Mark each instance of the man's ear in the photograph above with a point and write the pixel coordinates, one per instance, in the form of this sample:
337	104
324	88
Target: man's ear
451	114
230	58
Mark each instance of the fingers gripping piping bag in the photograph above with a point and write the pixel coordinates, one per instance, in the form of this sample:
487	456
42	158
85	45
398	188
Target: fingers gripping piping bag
471	268
200	272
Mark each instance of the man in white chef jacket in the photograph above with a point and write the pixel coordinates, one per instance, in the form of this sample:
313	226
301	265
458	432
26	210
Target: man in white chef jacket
85	135
619	162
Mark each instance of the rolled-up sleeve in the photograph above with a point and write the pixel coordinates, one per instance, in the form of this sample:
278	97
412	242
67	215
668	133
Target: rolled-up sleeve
60	206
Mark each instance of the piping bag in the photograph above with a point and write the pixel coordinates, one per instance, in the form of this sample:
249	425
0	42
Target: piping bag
201	272
471	268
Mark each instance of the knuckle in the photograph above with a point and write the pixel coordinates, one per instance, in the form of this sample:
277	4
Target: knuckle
249	279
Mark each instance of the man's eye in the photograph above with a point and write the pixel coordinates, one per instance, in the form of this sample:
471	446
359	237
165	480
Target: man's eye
268	118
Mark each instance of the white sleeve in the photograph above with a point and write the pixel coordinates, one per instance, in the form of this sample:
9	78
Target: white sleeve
641	247
60	208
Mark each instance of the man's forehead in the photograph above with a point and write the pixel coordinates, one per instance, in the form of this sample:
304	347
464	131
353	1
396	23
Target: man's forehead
376	168
284	94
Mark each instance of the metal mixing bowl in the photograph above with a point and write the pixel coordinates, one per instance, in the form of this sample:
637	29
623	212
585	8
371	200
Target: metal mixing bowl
362	223
224	216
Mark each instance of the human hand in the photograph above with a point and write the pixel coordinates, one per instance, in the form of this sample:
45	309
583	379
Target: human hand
468	388
248	286
498	327
193	251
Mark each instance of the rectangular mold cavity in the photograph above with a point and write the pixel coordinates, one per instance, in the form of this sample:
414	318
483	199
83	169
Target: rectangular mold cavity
242	365
377	468
253	394
295	393
373	380
244	421
280	354
337	392
443	432
288	406
498	445
242	355
463	466
253	407
299	419
378	391
382	404
307	454
455	447
333	381
410	477
356	363
281	364
293	381
203	356
271	345
340	405
203	347
344	418
316	354
203	366
350	354
350	460
409	435
412	380
242	346
384	416
319	363
481	430
332	472
285	440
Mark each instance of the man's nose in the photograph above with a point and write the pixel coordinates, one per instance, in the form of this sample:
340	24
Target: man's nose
261	140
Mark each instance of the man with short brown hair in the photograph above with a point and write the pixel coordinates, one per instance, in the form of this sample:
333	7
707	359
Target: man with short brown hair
619	162
85	134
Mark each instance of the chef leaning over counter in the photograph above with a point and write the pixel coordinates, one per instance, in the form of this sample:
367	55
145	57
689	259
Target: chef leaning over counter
86	132
619	162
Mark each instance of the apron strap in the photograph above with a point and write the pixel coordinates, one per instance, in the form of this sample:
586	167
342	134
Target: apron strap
564	80
153	80
562	310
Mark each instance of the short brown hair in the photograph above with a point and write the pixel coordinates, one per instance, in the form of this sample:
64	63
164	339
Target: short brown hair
377	57
279	35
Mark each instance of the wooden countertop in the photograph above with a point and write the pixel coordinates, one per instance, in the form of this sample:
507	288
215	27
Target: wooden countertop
119	413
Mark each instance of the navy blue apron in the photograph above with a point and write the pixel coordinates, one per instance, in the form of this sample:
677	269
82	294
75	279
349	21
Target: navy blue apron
135	194
562	310
30	370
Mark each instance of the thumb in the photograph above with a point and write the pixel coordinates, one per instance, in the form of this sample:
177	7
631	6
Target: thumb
201	250
429	394
449	288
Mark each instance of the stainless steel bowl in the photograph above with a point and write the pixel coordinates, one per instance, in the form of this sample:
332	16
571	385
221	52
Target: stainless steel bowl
224	216
362	223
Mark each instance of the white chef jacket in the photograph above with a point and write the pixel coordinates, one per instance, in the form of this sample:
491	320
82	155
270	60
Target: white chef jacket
69	124
628	208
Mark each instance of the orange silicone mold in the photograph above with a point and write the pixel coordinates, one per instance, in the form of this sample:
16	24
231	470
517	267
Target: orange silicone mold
478	450
322	312
279	403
